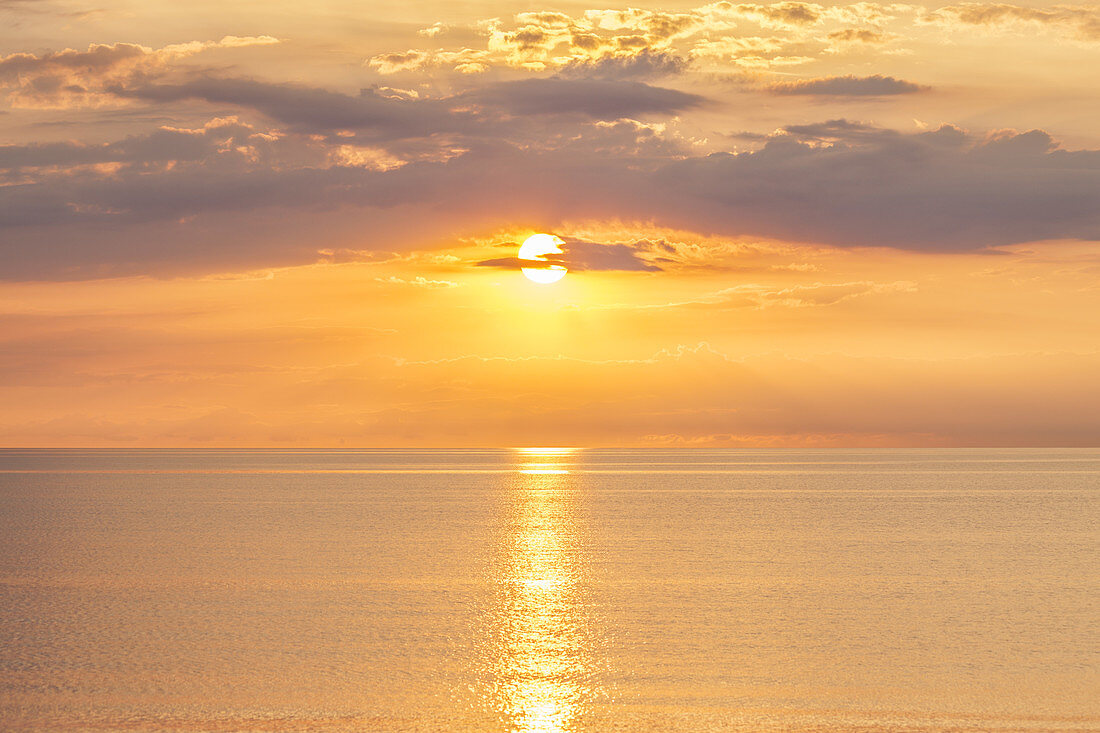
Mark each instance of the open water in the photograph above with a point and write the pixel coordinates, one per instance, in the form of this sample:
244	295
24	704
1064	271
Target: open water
550	590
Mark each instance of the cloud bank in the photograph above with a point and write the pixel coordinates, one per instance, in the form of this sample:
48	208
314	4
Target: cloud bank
840	183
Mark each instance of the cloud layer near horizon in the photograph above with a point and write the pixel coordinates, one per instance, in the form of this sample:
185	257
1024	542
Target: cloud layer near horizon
839	183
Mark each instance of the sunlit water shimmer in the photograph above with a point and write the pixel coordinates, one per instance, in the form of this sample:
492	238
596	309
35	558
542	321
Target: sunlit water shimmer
550	590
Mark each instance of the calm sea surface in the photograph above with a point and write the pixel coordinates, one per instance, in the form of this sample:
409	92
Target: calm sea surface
552	590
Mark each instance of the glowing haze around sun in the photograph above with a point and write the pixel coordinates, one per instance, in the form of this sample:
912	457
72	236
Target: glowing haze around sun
536	247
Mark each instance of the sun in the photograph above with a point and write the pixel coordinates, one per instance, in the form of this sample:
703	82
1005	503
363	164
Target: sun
536	247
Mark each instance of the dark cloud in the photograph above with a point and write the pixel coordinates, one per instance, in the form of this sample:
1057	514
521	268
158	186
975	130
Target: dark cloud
305	108
850	86
580	255
310	109
838	182
160	145
938	190
604	99
516	263
584	255
848	131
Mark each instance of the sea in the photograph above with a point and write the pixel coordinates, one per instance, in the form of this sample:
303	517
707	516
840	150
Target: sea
550	590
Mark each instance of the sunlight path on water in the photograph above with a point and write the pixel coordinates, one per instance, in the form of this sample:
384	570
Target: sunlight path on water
543	660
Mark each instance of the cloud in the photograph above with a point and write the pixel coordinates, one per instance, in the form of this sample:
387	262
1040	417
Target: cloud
858	35
595	98
584	255
579	255
71	77
654	26
68	77
516	263
849	131
1082	20
61	9
720	34
417	282
646	141
165	144
840	183
98	58
752	52
626	43
391	63
852	86
860	185
760	297
781	15
432	31
305	108
311	109
644	65
806	296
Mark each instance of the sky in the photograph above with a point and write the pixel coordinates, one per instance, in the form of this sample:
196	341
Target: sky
275	224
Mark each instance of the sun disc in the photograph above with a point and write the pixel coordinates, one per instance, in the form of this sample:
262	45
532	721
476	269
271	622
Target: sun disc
536	247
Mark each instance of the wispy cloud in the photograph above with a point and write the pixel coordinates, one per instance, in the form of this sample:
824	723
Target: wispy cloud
847	86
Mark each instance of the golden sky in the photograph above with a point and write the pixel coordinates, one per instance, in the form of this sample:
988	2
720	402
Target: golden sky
787	224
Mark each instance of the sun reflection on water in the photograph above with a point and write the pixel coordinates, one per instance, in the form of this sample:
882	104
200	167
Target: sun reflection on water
543	662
